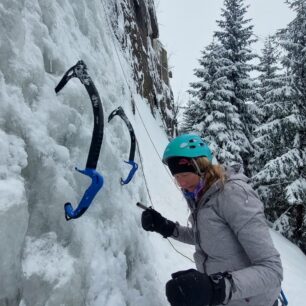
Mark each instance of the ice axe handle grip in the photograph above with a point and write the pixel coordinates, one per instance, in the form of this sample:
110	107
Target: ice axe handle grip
90	193
131	174
144	207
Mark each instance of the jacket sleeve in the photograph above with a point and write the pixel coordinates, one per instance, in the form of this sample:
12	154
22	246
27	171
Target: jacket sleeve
183	234
240	207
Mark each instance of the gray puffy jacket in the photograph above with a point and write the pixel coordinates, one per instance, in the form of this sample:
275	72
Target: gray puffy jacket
230	233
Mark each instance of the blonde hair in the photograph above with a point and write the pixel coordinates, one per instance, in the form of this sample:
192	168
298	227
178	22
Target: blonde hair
209	172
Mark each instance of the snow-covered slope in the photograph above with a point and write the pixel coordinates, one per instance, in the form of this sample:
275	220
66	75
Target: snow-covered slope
294	264
104	257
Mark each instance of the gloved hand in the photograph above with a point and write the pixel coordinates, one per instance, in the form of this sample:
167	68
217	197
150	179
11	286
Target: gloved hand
192	288
153	221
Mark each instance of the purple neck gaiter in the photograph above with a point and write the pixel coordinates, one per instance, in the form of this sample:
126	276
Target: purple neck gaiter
194	194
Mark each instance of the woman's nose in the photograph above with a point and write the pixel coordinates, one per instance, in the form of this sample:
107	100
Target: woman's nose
181	182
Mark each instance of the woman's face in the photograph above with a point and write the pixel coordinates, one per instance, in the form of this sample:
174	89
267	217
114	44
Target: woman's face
187	180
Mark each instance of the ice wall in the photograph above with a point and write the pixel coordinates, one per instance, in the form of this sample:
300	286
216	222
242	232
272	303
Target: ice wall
103	257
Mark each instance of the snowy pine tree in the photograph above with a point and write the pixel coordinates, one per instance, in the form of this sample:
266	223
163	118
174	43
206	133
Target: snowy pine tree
271	92
293	40
236	36
210	112
226	90
282	141
192	117
268	67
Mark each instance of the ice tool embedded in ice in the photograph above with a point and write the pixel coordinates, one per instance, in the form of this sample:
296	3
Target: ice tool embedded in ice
80	71
120	112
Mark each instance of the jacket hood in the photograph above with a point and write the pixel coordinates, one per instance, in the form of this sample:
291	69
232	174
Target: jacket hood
235	172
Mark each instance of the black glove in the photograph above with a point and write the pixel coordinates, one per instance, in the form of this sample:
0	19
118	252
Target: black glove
153	221
192	288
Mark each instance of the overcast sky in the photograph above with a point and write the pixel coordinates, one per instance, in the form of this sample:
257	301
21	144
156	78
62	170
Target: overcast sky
186	27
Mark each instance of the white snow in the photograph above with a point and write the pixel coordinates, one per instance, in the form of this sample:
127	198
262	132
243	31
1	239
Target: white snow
294	264
104	257
47	253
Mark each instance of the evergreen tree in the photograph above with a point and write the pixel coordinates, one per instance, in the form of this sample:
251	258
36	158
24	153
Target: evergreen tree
293	40
236	36
210	113
282	180
269	67
192	115
271	94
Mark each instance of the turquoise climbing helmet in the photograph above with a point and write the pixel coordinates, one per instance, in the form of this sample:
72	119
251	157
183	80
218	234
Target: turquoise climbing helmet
187	145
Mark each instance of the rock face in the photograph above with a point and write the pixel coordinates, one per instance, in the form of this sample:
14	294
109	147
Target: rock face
139	37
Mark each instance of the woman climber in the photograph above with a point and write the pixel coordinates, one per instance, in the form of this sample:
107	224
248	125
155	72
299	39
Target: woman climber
236	261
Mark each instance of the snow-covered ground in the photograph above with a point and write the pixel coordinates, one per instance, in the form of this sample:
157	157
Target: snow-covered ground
104	257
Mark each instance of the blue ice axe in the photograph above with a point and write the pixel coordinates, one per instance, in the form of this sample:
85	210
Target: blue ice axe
80	71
